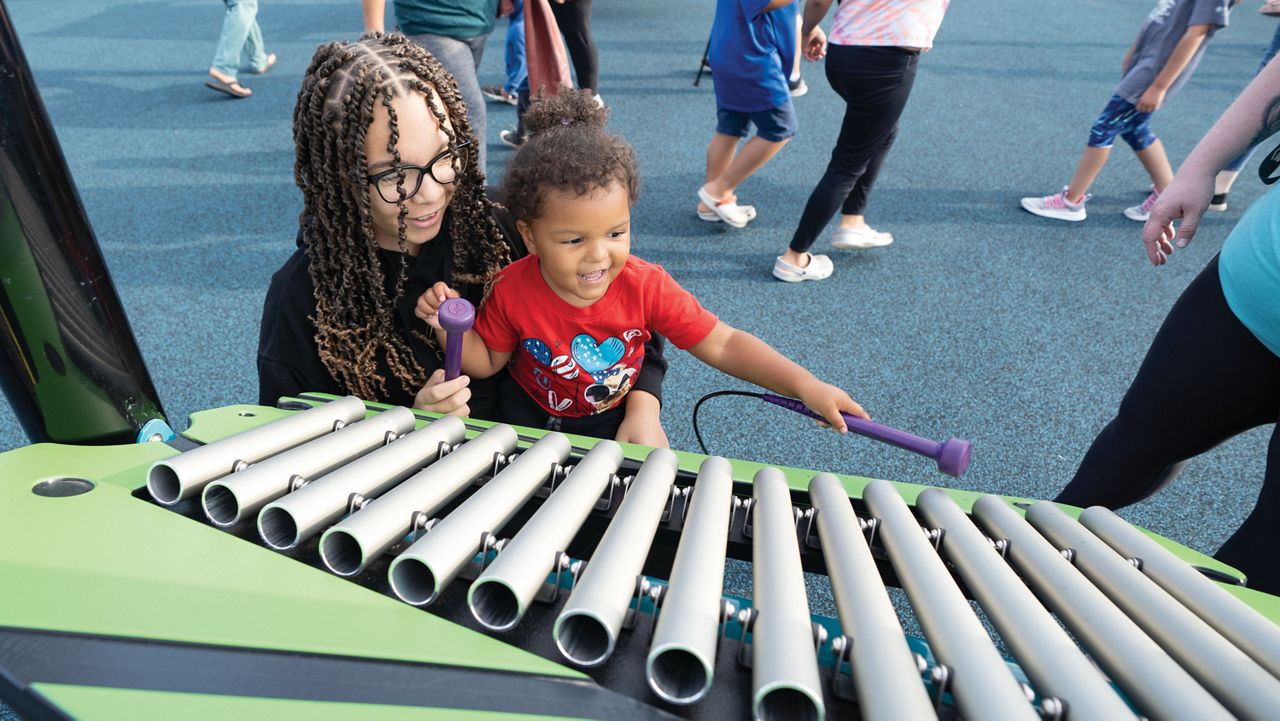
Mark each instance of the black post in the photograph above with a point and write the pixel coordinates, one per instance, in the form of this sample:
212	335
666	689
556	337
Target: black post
68	359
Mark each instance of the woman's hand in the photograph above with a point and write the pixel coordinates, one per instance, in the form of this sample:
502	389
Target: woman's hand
428	305
642	423
1186	198
448	397
829	402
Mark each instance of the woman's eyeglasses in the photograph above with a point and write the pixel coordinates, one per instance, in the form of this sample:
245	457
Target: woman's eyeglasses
444	169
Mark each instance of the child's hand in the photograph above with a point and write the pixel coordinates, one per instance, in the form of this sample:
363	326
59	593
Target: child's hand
815	45
829	402
428	306
1151	100
642	422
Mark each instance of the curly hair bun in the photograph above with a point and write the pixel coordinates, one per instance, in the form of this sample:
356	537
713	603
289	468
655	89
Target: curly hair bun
569	108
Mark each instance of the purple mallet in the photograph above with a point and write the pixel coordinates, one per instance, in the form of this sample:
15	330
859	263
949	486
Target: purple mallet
952	454
456	317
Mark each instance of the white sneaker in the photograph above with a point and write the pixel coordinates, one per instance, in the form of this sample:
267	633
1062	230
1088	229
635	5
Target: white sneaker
1141	212
1056	206
749	211
859	238
819	267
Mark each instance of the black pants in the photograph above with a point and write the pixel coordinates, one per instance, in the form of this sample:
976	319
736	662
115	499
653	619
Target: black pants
574	19
875	83
1205	379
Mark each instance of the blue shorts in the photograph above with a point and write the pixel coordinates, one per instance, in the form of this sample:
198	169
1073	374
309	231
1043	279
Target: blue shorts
1121	118
775	124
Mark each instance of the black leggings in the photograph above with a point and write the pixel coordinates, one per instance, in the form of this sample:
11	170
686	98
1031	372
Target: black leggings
875	83
574	19
1205	379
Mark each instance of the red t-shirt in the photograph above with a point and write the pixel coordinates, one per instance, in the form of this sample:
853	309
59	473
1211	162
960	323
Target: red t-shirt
575	362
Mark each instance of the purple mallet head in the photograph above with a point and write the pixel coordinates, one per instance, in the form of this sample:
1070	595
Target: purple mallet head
457	315
953	459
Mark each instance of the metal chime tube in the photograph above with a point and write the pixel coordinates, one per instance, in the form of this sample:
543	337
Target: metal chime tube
981	682
588	626
1245	627
1152	681
288	521
884	671
229	499
682	655
357	540
420	573
500	596
186	474
1050	658
1241	685
784	661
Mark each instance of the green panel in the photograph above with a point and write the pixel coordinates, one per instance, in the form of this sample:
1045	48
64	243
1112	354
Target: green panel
112	704
107	563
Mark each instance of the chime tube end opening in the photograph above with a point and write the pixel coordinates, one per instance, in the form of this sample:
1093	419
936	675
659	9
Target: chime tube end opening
678	675
413	581
164	485
494	604
341	552
278	528
221	505
583	638
786	702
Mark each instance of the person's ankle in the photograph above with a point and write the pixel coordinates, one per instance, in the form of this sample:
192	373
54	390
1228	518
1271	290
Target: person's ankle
717	190
799	260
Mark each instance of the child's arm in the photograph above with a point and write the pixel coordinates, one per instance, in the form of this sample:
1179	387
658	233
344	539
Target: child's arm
477	359
1182	53
642	420
743	355
373	12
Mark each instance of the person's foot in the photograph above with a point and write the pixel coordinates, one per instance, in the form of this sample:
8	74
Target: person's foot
726	208
1219	202
498	94
1142	211
859	238
224	83
267	65
1056	206
709	215
798	87
512	138
819	267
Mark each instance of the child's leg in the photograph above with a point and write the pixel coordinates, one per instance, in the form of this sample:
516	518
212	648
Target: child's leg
236	25
1091	163
1157	165
720	155
774	129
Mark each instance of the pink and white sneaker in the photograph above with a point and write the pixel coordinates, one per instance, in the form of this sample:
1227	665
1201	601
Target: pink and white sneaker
1140	213
1056	206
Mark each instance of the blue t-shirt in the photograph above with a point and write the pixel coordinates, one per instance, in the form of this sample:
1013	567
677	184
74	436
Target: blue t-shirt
751	54
1249	269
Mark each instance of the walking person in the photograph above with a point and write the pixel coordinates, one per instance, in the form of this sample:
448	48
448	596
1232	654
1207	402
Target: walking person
872	54
241	39
574	19
1160	61
1225	179
752	51
513	60
454	31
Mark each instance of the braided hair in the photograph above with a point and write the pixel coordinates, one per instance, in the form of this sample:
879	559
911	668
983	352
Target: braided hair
354	317
568	150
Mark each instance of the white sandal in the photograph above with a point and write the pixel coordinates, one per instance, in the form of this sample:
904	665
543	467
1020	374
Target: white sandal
730	212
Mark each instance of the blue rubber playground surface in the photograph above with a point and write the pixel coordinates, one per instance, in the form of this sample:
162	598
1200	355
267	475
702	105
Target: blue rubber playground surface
981	321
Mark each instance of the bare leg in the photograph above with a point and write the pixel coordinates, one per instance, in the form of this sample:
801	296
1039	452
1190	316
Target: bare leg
720	153
799	260
1087	170
795	67
1156	162
853	221
1224	180
752	157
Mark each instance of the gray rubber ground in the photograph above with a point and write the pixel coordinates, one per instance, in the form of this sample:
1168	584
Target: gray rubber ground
980	321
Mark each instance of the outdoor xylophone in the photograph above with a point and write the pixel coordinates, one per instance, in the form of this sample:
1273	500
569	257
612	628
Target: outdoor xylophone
613	561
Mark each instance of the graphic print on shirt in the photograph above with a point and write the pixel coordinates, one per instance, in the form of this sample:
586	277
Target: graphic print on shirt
605	370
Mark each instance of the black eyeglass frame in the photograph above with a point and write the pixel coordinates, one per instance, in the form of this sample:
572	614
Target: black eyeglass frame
425	170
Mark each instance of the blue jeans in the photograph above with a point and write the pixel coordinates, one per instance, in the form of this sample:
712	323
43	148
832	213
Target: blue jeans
1272	49
517	65
240	35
